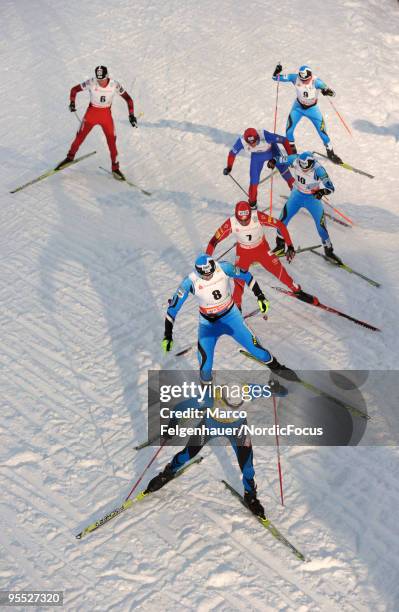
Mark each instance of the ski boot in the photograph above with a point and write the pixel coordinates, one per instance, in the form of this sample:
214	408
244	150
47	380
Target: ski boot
253	204
293	148
331	256
253	503
333	157
161	479
117	174
276	388
65	162
305	297
279	249
282	370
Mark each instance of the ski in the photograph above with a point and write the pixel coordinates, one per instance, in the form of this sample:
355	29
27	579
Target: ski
147	193
348	269
327	215
267	524
328	309
51	172
128	503
347	166
310	387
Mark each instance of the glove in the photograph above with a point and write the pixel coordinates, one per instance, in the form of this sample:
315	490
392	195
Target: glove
290	253
133	120
328	92
227	170
277	70
72	106
320	193
167	344
271	163
263	303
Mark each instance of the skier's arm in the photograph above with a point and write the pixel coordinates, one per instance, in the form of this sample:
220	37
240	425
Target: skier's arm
221	233
237	147
129	101
325	90
175	304
269	221
321	174
72	97
270	137
74	91
285	78
286	159
234	272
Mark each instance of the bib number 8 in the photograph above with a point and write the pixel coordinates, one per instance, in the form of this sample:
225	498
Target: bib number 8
216	294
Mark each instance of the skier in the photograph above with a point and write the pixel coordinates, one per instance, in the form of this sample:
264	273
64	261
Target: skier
102	90
311	184
242	446
262	146
218	315
307	90
252	246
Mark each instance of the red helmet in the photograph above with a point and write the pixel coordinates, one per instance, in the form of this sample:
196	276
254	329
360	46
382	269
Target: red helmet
251	136
243	212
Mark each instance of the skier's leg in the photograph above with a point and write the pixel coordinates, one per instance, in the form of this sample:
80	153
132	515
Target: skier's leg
208	334
315	116
290	209
85	128
293	118
316	209
243	262
243	449
272	264
254	173
108	127
237	329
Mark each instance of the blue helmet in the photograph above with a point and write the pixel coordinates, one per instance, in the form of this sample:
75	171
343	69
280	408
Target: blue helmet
306	160
304	72
205	266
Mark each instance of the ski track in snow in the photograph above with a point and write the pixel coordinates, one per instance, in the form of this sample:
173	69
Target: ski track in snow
87	266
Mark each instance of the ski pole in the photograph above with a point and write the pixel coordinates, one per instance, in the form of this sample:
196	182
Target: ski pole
278	451
146	468
340	117
274	130
338	212
238	184
225	253
268	176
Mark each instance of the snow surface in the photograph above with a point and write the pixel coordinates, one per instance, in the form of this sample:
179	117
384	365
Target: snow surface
87	265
